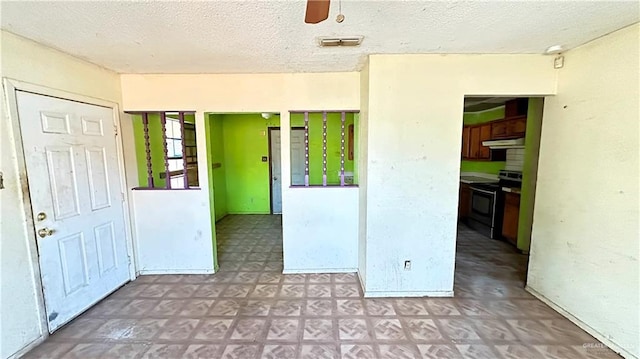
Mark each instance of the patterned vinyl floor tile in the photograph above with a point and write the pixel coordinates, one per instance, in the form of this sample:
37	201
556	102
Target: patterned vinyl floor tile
250	310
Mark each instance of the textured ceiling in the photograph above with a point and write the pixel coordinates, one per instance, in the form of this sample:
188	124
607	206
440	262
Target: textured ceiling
271	36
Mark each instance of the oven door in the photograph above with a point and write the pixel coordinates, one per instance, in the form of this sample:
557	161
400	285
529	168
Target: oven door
483	205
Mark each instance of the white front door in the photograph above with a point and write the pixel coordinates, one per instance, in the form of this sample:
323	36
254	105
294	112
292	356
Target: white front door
74	185
297	165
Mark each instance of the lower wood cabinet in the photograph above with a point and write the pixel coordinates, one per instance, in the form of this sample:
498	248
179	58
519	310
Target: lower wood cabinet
464	201
510	219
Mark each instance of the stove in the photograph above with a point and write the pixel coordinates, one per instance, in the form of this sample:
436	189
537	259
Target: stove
487	203
510	178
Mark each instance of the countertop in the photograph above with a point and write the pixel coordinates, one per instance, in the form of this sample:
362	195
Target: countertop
476	179
513	190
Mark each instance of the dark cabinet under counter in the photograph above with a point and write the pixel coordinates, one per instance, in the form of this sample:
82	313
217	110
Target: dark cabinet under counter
510	216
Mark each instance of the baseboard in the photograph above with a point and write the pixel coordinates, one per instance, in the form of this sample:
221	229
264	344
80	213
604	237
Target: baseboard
402	294
29	347
175	271
248	213
362	283
319	270
584	326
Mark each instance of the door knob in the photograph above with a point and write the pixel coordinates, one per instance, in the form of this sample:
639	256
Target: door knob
43	232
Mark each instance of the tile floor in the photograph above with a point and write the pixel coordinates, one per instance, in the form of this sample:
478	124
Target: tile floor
250	310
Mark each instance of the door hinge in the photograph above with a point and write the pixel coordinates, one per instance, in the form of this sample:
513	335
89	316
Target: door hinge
122	196
115	130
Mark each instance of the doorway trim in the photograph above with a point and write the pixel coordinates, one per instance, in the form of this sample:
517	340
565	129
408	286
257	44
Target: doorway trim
270	129
10	86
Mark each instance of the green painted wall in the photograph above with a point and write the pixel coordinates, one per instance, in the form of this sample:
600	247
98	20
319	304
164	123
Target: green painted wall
218	175
245	141
333	146
247	177
529	172
356	147
474	118
238	142
157	149
490	167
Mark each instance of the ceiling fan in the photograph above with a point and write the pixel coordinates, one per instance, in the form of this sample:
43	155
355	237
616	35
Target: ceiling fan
317	11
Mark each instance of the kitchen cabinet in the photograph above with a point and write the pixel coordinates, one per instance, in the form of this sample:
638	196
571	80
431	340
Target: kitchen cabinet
485	135
509	128
514	125
474	143
464	201
466	137
516	108
517	127
498	129
510	218
472	137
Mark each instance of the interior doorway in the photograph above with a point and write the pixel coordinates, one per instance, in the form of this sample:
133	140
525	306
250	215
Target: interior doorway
498	168
73	167
297	164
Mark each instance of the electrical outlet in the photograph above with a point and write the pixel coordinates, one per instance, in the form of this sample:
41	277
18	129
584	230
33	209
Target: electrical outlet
407	265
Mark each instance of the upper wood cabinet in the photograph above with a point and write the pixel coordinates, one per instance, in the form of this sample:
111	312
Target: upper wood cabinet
474	143
516	108
514	125
509	128
485	135
499	129
472	137
466	135
517	127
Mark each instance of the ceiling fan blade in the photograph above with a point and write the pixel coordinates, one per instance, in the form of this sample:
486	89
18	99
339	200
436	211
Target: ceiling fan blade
317	11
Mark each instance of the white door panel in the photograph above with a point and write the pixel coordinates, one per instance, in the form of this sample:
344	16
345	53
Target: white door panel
276	180
297	165
297	157
74	185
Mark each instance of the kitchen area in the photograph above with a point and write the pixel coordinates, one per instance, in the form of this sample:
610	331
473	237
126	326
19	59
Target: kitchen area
500	144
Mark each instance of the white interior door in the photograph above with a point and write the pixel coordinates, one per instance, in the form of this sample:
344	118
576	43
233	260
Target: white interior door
297	157
297	165
74	184
276	180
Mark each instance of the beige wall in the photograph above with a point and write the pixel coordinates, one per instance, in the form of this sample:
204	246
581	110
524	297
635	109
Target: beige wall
414	139
363	144
27	61
585	240
242	93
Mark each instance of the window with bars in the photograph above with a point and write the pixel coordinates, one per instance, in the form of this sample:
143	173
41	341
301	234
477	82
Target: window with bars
166	149
325	152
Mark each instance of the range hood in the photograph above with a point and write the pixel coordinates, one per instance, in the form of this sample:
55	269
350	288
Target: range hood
504	144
